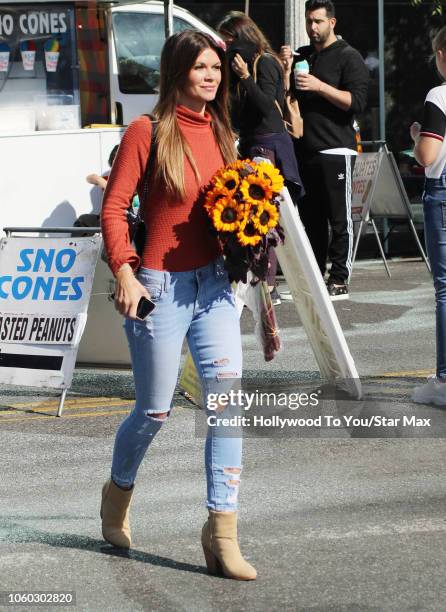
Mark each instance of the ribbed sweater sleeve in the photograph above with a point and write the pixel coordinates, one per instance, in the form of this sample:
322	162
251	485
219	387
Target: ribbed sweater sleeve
124	180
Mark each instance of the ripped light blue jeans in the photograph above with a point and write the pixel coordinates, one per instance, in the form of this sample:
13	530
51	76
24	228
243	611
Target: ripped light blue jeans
434	205
197	305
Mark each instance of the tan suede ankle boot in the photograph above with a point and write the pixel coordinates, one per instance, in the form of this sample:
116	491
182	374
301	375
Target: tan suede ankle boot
221	549
115	514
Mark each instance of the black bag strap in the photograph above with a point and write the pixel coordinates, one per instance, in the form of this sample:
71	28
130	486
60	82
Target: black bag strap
150	164
254	76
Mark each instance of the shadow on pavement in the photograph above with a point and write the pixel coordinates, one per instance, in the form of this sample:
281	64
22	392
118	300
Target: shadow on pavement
15	533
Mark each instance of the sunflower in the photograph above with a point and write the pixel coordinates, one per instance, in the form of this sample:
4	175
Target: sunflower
254	189
227	179
248	235
226	215
267	217
238	164
213	197
271	174
242	166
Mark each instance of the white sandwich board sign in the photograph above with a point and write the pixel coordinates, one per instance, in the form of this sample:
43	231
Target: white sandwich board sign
377	188
312	302
378	192
45	286
363	184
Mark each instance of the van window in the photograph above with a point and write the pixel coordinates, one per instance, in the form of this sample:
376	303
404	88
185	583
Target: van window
139	38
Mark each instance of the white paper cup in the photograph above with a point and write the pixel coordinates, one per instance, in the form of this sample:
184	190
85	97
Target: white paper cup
300	68
28	59
4	61
51	59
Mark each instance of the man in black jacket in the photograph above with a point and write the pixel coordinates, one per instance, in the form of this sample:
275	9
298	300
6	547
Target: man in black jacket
329	96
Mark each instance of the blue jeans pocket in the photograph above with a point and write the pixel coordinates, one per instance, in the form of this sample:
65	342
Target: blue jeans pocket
155	291
153	281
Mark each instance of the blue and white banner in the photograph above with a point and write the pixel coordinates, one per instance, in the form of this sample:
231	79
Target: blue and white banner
45	287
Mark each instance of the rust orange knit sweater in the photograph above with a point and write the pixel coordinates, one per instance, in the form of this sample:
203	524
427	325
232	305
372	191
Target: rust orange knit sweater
178	236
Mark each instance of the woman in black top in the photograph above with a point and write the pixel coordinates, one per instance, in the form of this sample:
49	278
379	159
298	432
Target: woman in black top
257	97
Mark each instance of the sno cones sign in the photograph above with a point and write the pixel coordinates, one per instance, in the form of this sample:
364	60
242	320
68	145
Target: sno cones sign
4	57
52	50
28	51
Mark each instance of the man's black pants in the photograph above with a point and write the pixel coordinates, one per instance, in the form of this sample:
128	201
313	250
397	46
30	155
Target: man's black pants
328	184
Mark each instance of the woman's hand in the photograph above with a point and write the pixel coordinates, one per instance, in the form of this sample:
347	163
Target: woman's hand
415	131
286	55
128	292
240	67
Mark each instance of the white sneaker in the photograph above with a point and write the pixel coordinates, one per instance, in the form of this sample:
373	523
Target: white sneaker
432	392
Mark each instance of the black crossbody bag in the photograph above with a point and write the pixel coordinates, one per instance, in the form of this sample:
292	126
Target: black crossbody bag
137	226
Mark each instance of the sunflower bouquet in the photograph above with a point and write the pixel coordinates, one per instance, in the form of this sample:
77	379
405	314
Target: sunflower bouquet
242	204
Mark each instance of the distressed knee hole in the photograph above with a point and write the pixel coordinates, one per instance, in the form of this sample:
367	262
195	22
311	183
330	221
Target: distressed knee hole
232	470
159	416
233	483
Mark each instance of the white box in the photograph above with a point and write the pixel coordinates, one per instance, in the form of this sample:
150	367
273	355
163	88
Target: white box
59	117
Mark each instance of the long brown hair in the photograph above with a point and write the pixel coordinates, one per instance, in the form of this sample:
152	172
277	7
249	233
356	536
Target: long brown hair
238	25
178	57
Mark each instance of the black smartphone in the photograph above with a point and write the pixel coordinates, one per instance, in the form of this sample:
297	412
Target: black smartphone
145	307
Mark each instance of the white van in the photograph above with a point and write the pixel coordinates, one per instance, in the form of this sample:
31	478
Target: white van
136	36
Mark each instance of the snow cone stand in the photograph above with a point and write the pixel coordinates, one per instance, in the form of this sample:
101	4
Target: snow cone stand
71	75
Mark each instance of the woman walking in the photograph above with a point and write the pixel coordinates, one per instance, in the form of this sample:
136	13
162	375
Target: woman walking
430	152
182	271
257	91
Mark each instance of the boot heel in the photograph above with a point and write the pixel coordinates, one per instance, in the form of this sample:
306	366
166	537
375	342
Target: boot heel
212	563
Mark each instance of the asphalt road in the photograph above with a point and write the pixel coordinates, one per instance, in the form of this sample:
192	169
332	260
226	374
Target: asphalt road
350	522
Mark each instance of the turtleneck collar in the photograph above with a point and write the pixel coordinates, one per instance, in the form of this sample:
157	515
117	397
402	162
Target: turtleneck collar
193	120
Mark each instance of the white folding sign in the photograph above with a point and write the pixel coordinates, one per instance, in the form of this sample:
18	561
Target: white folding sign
313	304
363	184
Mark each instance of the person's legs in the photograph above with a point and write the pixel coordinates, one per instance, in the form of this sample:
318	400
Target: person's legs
434	203
337	177
295	191
215	343
435	237
313	209
155	347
